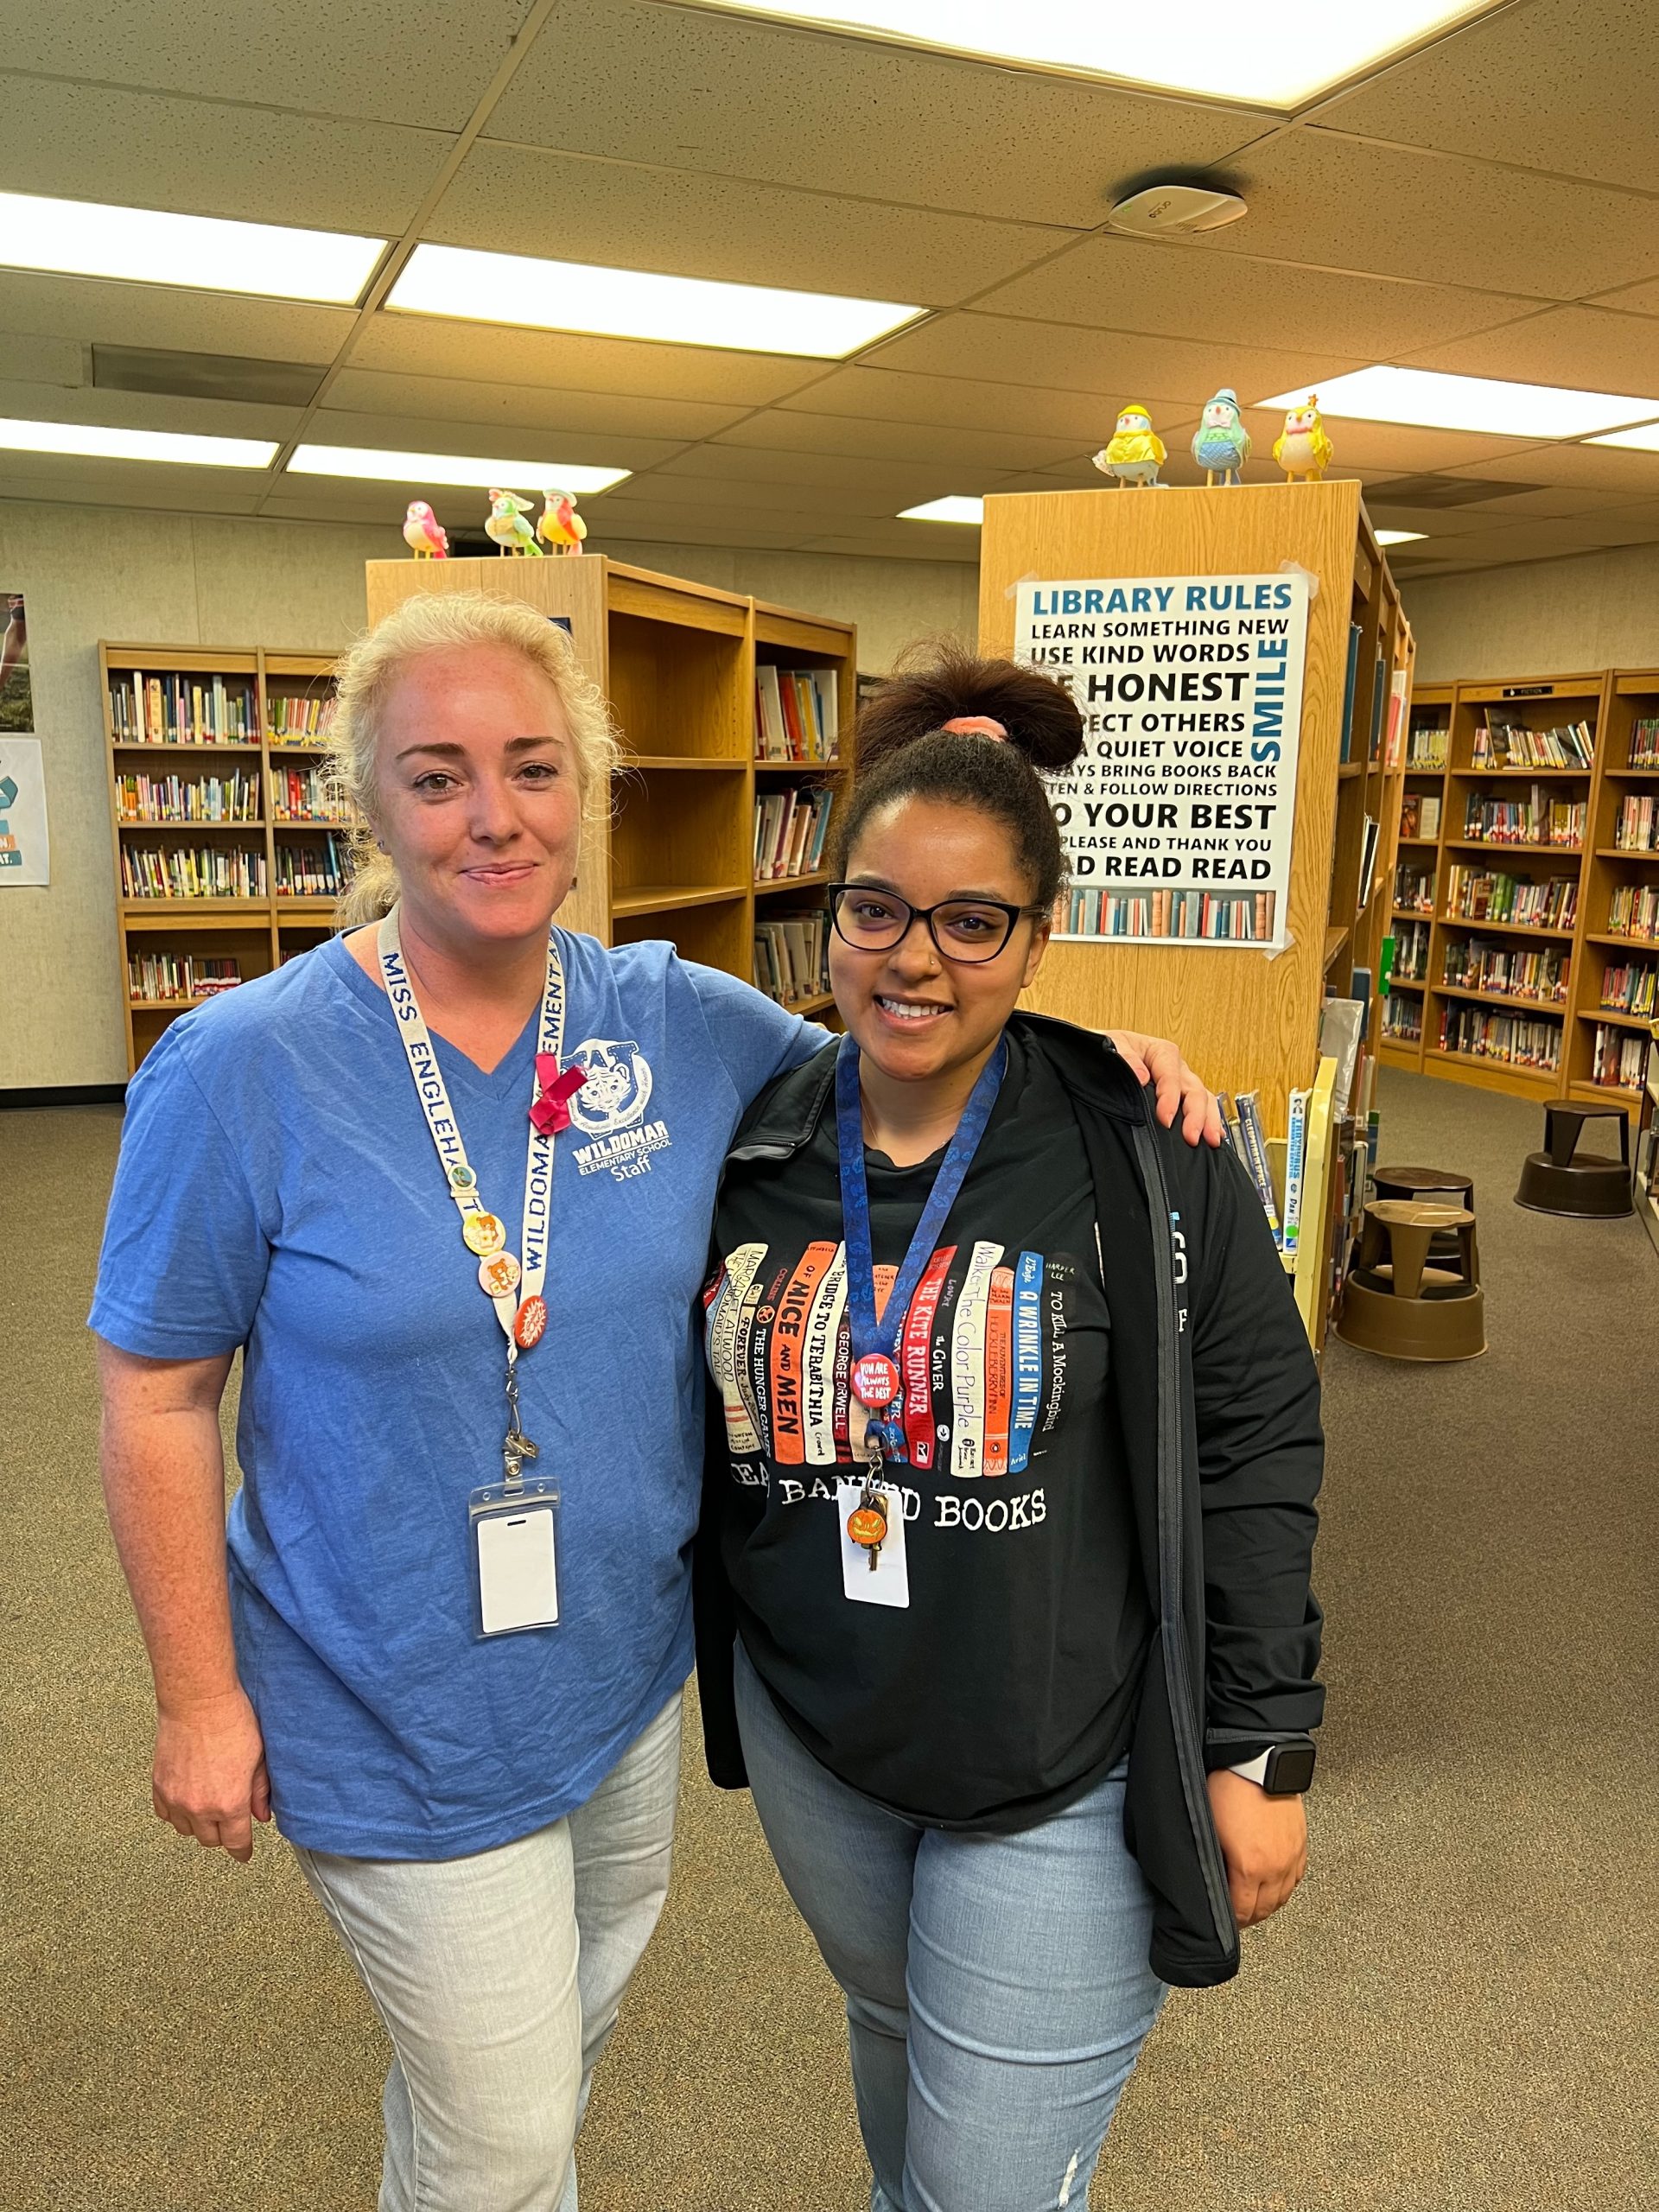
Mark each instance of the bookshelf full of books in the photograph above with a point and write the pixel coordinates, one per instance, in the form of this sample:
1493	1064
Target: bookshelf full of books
734	717
1539	872
227	857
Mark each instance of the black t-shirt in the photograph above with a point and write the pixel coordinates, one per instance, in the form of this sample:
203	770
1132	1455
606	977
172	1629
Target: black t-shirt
1006	1688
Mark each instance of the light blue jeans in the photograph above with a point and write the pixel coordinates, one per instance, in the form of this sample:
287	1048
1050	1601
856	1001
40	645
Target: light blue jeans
997	1987
498	1977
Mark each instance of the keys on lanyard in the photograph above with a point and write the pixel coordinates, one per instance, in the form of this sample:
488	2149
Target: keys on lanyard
867	1524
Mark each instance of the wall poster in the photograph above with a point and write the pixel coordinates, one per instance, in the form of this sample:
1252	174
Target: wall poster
1178	820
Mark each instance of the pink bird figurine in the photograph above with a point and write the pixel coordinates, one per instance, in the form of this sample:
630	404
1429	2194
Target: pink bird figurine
560	528
423	534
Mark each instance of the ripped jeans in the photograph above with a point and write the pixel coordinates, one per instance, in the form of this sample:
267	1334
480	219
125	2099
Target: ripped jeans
997	1987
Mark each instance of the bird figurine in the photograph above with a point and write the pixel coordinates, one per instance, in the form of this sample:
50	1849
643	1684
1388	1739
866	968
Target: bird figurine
1136	452
423	534
1301	448
560	528
505	524
1221	444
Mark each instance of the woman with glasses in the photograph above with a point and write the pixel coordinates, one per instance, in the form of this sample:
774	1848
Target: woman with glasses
1003	1587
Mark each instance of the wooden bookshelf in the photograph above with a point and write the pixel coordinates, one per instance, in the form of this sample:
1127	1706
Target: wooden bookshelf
256	932
669	853
1613	703
1250	1022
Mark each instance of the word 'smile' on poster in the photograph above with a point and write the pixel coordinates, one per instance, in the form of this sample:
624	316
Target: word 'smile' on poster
1178	819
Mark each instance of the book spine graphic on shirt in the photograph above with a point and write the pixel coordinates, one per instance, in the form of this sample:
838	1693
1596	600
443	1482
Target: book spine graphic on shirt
916	1358
823	1322
741	1434
1057	1303
968	1363
1027	1357
748	1306
843	1387
759	1362
788	1335
999	1370
857	1419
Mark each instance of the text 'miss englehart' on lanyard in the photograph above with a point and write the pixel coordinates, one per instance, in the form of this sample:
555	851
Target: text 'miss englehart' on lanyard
514	1520
871	1533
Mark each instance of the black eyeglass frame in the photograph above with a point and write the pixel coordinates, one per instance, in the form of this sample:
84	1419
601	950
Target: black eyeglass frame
834	893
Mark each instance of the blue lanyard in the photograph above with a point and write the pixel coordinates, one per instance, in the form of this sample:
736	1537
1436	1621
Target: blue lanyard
871	1337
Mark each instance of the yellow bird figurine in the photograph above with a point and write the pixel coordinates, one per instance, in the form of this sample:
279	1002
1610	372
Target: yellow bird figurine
1136	452
560	528
1301	448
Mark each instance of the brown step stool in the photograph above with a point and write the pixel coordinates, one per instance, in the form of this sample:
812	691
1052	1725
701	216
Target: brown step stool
1396	1304
1441	1187
1587	1186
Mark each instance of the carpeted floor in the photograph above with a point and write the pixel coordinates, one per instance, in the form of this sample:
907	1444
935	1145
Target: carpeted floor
1455	2015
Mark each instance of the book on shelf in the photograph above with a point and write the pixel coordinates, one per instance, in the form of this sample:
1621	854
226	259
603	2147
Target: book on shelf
1394	745
302	794
1637	830
1219	917
177	871
1627	987
1633	910
791	831
186	799
792	957
1518	1040
1251	1144
1500	745
1475	895
1427	746
1618	1057
1312	1274
1419	815
162	977
1402	1020
1410	953
298	719
1540	818
1368	860
181	710
1295	1158
797	714
1506	969
1351	683
311	871
1413	887
1342	1031
1645	743
1379	692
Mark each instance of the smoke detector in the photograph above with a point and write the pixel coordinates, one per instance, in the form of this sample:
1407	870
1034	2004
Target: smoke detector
1166	209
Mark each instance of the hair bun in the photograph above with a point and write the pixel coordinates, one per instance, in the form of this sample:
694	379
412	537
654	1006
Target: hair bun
943	681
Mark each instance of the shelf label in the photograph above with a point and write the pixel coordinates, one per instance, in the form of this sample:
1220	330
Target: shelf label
1528	691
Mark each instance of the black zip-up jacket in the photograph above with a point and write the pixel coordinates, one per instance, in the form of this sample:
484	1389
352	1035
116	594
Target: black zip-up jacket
1219	1398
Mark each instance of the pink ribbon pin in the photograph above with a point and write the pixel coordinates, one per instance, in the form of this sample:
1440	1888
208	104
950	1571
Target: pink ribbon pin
554	1091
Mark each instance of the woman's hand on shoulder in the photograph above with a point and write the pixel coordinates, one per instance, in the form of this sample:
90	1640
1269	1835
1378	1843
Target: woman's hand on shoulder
209	1778
1264	1842
1155	1059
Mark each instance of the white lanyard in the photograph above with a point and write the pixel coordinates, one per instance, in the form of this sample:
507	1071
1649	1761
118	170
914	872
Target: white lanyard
512	1282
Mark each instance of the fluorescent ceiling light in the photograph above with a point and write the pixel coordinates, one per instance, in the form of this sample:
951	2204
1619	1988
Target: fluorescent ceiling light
1646	440
513	288
956	506
466	469
1429	399
102	443
199	253
1400	536
1280	55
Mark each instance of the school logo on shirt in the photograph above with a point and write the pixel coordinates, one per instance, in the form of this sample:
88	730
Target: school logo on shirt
610	1109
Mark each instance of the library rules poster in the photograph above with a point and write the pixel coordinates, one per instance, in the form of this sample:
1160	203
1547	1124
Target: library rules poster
1178	819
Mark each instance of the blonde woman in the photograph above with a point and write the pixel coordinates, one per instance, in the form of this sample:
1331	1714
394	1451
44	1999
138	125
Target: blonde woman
447	1182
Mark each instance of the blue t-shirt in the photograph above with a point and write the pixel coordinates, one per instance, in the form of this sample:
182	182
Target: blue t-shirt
277	1190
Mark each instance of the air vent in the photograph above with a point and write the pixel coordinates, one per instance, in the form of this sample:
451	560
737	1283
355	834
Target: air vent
1441	491
206	376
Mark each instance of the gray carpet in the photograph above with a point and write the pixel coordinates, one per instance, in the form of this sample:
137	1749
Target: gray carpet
1455	2015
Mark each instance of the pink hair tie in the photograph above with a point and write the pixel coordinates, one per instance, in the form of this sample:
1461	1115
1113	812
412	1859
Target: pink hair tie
974	726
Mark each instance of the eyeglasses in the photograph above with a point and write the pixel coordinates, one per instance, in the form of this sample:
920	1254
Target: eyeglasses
969	930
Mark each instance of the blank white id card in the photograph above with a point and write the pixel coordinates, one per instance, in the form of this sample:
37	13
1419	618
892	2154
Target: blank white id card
888	1582
518	1562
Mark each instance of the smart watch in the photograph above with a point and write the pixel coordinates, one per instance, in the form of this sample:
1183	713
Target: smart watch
1283	1770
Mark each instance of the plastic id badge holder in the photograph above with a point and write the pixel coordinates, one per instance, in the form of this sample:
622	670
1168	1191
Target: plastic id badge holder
515	1538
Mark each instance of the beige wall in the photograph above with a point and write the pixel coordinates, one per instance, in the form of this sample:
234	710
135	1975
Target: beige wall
1542	618
89	573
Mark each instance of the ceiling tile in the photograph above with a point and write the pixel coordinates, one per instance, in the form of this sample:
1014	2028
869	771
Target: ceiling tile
1114	363
891	396
1553	502
424	344
87	309
977	450
145	410
131	484
807	472
1633	299
321	498
620	526
571	207
194	157
1335	202
28	360
1570	85
1187	291
523	406
1435	523
815	507
1587	347
332	57
1396	448
932	542
740	98
1595	469
406	434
